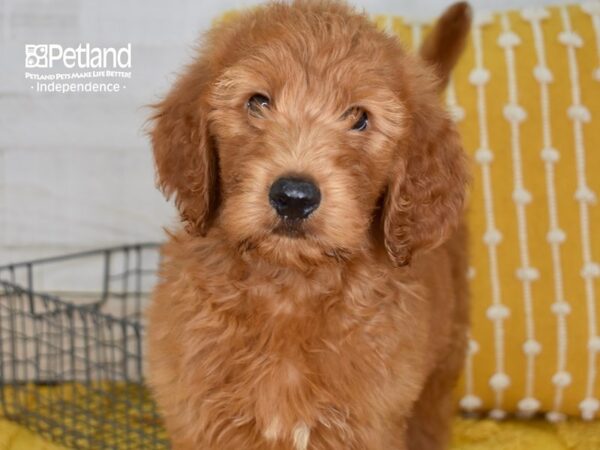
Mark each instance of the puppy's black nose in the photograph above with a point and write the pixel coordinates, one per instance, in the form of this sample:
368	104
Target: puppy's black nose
294	198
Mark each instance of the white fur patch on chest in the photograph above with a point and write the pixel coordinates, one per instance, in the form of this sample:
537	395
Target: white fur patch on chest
273	431
300	433
300	436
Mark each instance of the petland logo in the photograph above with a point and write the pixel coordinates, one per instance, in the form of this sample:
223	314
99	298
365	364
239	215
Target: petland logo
44	56
73	64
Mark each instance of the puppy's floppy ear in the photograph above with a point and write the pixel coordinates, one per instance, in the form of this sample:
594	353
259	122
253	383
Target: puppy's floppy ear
184	153
425	198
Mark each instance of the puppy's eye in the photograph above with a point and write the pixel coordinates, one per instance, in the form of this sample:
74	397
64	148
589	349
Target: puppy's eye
257	103
360	118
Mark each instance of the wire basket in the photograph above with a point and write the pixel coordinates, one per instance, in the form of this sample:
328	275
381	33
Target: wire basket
72	345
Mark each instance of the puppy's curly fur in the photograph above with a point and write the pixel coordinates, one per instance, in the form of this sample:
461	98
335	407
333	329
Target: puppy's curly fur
349	333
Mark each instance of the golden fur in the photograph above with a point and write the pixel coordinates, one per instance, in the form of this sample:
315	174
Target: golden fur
351	334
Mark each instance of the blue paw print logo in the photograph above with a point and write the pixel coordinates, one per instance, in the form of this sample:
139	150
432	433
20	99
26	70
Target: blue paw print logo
36	56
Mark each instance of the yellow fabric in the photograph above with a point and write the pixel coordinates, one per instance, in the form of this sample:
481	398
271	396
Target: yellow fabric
468	435
580	322
15	437
118	414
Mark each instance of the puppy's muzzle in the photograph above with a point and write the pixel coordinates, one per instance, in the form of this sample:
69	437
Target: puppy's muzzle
294	198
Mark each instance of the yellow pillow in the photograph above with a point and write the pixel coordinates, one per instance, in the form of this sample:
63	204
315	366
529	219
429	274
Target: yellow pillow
526	97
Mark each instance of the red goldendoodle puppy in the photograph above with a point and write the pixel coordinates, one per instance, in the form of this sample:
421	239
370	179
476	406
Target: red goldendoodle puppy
316	298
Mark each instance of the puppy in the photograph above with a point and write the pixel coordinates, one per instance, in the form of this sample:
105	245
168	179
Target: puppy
316	297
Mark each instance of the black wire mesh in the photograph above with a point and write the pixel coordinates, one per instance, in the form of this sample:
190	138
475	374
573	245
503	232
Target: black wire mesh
71	348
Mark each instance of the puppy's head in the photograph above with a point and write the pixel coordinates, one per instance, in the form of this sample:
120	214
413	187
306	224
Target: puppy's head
304	135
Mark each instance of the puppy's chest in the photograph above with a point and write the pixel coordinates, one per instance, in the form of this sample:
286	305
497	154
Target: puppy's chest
295	364
294	380
327	326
